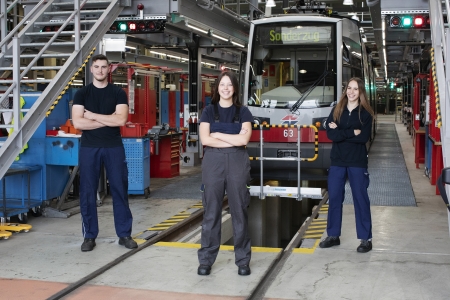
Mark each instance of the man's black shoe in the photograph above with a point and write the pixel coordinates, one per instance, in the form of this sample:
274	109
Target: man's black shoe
365	246
244	270
128	242
204	270
88	245
330	241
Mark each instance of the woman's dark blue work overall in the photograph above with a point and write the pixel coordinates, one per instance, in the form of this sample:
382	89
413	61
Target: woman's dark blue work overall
225	169
117	173
359	182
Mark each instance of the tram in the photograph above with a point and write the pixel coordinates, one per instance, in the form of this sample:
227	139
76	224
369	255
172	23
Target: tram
296	69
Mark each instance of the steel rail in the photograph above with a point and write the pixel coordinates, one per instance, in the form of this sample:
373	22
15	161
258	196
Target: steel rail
277	265
167	235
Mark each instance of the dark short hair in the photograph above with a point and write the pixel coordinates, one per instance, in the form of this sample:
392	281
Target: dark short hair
100	57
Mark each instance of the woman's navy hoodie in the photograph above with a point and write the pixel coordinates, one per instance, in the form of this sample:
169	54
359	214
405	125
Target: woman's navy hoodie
349	150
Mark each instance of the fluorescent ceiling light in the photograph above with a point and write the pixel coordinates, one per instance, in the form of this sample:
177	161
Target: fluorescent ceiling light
157	53
130	47
237	44
196	28
220	37
271	3
173	56
348	2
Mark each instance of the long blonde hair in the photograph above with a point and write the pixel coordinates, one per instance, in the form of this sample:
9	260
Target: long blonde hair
362	101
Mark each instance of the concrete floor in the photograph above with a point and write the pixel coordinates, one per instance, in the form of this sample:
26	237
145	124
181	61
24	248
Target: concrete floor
410	258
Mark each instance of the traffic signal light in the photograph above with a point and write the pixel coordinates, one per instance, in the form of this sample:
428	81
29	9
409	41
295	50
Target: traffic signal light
409	21
139	26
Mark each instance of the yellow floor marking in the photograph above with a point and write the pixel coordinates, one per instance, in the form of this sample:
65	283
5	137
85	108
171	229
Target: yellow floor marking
159	228
139	241
317	226
222	247
168	222
162	225
306	250
178	245
265	249
312	236
313	231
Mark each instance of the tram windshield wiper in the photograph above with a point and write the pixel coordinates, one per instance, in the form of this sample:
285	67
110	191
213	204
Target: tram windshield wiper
297	104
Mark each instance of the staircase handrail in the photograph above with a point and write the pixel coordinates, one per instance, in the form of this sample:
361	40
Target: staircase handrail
24	20
37	112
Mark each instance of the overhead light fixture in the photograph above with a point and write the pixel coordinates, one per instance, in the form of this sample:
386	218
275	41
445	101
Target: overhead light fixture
209	64
347	2
271	3
196	28
219	37
237	44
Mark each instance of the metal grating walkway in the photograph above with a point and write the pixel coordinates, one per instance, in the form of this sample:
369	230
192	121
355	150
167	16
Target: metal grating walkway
389	179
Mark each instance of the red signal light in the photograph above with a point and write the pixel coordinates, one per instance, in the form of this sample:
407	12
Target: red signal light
132	26
419	21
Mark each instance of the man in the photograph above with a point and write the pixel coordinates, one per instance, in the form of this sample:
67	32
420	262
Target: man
99	109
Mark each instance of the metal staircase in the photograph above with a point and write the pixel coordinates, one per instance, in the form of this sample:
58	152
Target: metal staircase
49	29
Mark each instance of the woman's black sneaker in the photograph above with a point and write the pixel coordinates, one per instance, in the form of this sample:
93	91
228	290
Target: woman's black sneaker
204	270
330	241
365	246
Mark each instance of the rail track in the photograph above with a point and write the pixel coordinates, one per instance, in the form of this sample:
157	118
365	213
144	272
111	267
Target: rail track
180	229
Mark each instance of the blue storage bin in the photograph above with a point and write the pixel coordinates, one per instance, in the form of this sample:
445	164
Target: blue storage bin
62	151
137	153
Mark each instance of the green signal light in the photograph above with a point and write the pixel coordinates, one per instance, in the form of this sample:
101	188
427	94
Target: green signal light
123	27
407	22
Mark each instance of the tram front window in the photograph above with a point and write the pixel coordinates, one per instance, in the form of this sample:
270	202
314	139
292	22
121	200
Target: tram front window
292	62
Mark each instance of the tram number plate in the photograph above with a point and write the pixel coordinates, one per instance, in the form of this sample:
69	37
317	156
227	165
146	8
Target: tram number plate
287	153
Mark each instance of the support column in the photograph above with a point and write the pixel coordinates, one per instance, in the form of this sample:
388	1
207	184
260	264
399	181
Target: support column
194	150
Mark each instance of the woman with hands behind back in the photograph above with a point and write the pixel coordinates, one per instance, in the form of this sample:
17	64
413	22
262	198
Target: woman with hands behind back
225	129
349	127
